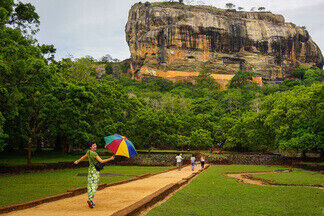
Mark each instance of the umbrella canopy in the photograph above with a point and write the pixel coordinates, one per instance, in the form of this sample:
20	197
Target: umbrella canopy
120	145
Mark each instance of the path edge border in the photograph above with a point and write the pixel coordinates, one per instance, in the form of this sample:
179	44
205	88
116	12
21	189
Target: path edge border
151	199
73	192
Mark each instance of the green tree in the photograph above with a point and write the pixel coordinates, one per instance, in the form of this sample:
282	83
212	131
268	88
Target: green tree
221	131
3	136
230	6
5	11
145	128
48	52
295	117
181	142
90	58
261	8
201	139
203	105
289	84
108	68
69	115
249	133
204	80
24	75
158	84
77	70
174	104
242	79
108	58
124	68
24	18
234	100
299	72
147	4
313	75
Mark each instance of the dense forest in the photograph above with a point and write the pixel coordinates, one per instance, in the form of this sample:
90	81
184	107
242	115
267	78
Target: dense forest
65	104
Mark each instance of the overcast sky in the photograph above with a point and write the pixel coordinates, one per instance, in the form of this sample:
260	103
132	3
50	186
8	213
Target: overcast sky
97	27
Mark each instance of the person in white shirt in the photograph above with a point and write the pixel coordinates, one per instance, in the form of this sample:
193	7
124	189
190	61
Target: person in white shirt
179	159
192	159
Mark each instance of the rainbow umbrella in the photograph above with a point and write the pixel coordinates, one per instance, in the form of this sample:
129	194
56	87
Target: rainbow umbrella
120	145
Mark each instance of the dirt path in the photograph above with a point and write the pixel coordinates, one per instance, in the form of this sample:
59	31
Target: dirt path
108	200
247	178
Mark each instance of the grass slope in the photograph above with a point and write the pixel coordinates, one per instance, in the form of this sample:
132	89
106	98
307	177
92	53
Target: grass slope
20	188
298	176
214	194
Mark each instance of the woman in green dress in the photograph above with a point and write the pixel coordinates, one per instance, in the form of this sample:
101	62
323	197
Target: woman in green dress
93	174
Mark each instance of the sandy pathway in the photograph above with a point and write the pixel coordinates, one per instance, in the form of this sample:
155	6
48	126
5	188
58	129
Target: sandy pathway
108	200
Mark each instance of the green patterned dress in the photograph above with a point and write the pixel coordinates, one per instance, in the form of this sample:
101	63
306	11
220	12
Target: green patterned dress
93	174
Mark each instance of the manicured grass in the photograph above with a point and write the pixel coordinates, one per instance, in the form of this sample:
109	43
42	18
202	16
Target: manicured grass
15	189
211	193
298	176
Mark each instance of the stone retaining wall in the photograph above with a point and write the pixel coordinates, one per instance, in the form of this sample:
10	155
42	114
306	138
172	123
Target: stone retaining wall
14	169
250	159
169	160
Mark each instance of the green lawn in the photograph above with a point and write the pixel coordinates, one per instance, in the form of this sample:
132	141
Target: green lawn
19	188
298	176
214	194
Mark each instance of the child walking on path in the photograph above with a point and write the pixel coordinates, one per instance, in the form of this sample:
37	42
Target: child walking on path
192	159
179	161
93	174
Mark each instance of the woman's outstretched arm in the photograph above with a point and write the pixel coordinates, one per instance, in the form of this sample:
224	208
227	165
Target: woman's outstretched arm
81	159
106	160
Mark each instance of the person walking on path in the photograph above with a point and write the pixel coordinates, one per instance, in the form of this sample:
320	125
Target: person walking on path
179	161
93	174
202	161
192	159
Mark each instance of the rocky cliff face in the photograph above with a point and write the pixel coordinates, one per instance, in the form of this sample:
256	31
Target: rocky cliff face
176	42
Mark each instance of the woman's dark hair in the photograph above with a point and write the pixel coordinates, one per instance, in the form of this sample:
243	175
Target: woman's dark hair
91	143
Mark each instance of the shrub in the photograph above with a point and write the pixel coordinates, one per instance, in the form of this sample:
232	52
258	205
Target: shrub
147	4
109	68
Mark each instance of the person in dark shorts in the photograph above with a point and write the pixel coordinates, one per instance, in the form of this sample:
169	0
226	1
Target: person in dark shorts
202	161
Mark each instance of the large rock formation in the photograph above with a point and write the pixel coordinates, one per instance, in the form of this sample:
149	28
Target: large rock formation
177	41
